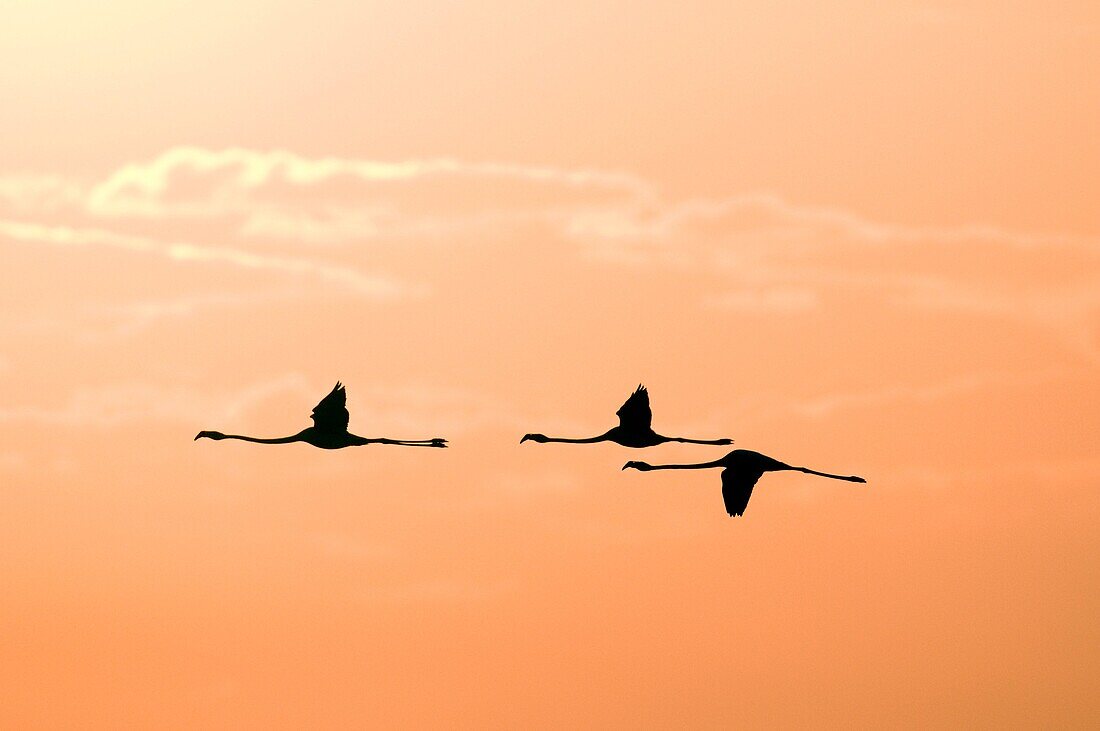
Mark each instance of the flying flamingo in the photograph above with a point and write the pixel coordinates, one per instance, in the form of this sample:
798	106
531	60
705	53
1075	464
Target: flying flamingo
329	430
741	470
634	430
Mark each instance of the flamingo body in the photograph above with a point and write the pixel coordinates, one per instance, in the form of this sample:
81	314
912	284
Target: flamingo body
330	429
741	470
635	428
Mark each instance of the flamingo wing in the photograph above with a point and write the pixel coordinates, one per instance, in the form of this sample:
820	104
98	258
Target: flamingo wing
737	487
331	413
635	413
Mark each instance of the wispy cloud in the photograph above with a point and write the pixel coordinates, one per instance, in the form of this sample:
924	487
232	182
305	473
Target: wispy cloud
271	190
229	180
772	214
34	233
105	322
39	193
828	404
751	408
1072	312
114	405
782	257
402	407
769	254
768	299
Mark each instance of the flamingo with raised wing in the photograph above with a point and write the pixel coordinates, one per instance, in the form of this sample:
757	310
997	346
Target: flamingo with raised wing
634	430
330	429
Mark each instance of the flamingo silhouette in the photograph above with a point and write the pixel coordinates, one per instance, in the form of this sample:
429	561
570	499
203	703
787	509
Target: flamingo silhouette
741	469
634	430
330	428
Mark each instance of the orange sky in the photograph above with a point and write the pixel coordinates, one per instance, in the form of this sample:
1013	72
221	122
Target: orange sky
859	236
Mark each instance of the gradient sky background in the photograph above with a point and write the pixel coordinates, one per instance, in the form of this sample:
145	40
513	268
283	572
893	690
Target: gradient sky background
859	236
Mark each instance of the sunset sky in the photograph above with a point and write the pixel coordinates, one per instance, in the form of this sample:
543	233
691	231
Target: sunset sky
862	237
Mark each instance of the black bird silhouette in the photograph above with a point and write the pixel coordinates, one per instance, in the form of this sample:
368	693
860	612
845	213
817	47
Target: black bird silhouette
634	429
329	430
741	469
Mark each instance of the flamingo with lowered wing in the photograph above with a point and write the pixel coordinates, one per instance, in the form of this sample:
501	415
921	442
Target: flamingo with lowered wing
741	469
